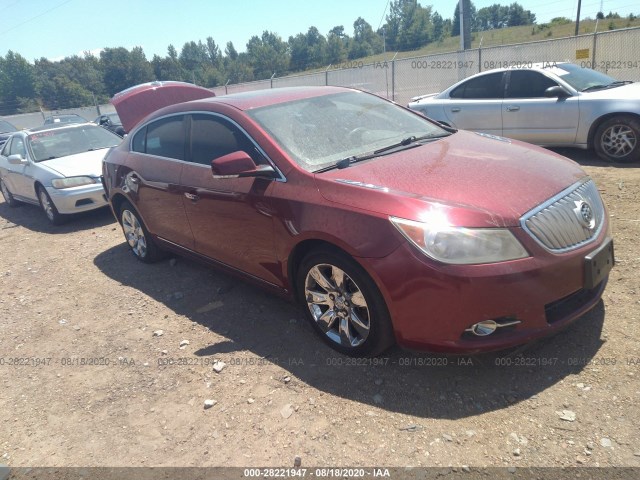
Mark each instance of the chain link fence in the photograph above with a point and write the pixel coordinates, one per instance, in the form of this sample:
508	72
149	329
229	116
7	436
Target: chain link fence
615	53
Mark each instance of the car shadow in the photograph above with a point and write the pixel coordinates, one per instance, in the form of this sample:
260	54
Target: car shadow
257	326
589	158
33	218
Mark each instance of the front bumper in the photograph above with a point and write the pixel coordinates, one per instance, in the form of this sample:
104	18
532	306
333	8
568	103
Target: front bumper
78	199
432	304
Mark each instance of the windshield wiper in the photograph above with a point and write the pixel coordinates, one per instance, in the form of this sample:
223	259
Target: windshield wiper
617	83
409	142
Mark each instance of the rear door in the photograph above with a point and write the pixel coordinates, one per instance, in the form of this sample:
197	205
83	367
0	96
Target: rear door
531	117
19	177
156	161
477	104
230	218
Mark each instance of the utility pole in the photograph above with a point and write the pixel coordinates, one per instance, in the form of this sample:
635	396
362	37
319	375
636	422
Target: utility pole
465	24
578	18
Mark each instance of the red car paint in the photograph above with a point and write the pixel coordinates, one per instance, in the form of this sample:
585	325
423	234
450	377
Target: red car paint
255	227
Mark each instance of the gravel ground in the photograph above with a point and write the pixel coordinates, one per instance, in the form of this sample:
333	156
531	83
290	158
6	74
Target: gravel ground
109	362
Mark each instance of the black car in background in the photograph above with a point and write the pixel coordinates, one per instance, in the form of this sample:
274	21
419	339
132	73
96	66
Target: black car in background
6	129
111	121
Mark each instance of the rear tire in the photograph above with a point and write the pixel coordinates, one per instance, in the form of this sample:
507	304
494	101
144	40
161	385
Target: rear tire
137	235
8	196
618	139
343	304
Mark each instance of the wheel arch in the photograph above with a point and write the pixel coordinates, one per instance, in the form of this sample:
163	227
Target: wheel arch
116	203
300	251
313	244
603	118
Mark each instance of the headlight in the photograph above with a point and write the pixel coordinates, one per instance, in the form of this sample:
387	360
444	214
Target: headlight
459	245
72	182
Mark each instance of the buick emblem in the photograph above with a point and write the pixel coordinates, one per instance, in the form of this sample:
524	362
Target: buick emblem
584	214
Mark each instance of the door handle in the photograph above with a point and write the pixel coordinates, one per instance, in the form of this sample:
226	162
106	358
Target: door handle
512	108
192	196
455	109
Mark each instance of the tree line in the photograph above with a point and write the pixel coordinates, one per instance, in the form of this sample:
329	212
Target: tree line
86	80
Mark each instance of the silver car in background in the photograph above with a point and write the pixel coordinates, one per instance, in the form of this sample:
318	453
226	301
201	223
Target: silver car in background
552	104
56	168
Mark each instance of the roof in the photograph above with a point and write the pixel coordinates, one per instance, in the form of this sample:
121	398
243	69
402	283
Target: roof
272	96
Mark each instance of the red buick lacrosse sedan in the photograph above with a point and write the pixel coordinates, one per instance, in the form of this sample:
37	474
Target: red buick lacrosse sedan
385	226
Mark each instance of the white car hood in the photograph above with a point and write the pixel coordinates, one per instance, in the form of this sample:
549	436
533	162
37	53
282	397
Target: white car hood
80	164
630	91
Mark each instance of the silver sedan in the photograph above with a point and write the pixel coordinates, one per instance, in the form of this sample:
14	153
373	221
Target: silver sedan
56	168
553	104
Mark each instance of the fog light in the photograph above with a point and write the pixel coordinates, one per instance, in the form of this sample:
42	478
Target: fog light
487	327
484	328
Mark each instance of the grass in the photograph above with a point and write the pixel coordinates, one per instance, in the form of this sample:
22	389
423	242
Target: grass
503	36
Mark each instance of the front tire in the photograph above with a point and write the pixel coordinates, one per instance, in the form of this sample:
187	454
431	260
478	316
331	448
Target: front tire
618	139
137	235
49	208
343	304
8	196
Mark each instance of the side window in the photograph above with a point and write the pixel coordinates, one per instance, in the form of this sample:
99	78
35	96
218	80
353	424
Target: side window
166	138
485	86
213	137
528	84
17	147
6	148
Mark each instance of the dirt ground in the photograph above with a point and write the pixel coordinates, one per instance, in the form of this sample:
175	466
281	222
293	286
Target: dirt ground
88	379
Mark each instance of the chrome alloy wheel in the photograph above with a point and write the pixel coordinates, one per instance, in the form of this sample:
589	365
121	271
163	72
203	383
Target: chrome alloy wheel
134	234
618	140
337	305
47	206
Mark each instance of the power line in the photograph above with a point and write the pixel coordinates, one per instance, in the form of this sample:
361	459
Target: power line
35	17
9	6
383	14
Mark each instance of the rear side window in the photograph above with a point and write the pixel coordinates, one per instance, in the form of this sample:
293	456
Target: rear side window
485	86
139	143
162	138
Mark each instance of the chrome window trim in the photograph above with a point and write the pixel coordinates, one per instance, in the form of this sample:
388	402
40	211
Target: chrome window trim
281	177
551	201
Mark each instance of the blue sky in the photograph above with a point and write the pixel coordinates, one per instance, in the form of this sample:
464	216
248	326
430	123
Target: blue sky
58	28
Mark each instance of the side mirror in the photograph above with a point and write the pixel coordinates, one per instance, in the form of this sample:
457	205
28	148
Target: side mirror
556	91
16	159
240	164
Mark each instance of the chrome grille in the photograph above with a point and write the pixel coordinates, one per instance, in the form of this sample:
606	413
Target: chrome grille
566	222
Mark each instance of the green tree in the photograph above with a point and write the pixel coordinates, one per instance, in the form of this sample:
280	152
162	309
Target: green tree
408	25
167	68
268	54
365	41
307	50
438	27
56	89
214	54
193	56
337	45
455	23
123	69
17	82
519	16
